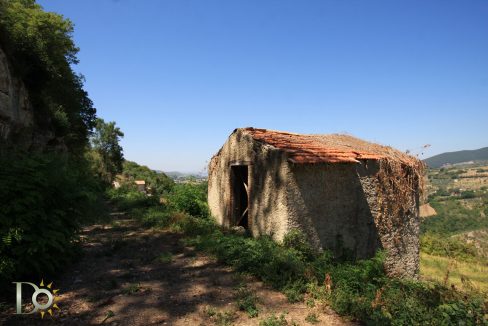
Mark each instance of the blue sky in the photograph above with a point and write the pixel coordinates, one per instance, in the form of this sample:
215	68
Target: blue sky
178	76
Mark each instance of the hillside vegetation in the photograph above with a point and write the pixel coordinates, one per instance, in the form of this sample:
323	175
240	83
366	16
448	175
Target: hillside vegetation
49	191
438	161
454	243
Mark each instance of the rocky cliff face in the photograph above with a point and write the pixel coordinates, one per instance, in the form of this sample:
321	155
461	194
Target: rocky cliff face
16	112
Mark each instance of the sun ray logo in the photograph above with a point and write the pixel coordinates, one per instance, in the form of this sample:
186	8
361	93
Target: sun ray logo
42	307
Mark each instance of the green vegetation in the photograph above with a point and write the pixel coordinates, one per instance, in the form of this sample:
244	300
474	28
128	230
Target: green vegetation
158	184
435	244
42	53
457	157
447	256
357	288
165	257
469	276
106	152
453	216
274	321
131	289
247	301
47	192
225	318
45	199
190	198
312	318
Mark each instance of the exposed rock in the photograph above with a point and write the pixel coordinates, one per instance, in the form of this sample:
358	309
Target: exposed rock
16	112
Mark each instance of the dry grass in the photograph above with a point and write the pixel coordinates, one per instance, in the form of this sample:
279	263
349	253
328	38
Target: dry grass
461	274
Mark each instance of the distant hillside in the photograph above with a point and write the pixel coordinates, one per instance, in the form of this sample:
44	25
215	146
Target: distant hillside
175	175
457	157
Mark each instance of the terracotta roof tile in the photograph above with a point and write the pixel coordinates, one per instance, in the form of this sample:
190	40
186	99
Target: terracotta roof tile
307	149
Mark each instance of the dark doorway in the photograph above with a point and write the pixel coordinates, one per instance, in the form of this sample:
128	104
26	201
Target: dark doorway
240	200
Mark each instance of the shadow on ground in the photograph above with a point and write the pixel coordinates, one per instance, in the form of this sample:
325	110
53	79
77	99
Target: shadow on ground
131	275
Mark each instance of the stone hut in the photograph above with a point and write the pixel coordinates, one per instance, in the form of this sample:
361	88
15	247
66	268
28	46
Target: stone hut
347	195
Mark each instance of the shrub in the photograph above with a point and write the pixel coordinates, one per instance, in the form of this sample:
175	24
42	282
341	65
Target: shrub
190	198
274	321
296	239
468	194
438	245
129	198
45	200
157	216
247	301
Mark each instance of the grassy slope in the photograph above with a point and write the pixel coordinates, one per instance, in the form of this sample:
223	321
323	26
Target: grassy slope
461	273
458	253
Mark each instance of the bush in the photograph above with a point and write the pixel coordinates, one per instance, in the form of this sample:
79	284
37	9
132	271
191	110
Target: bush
157	216
468	194
438	245
296	239
129	198
190	198
45	200
247	301
158	183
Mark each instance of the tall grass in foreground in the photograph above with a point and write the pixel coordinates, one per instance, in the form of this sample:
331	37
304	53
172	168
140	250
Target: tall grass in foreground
463	275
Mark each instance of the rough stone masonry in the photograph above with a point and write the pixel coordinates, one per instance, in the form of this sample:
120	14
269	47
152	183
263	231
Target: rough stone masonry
347	195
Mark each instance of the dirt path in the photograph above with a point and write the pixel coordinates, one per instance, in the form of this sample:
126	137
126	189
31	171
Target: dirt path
130	275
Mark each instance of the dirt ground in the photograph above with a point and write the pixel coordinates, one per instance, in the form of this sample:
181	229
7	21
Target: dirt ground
131	275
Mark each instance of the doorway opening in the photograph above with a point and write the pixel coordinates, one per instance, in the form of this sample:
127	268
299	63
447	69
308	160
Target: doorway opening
240	195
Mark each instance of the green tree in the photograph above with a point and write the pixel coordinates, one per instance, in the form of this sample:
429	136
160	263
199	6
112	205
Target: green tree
40	47
158	182
108	153
46	192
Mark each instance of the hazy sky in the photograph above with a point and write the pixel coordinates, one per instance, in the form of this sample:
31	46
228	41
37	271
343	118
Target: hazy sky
178	76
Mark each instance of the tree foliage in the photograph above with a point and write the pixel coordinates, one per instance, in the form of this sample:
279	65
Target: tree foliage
46	193
108	156
45	199
40	46
158	183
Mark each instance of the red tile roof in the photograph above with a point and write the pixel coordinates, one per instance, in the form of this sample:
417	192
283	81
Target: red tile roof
333	148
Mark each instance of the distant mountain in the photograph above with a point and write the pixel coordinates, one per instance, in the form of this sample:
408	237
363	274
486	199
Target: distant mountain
457	157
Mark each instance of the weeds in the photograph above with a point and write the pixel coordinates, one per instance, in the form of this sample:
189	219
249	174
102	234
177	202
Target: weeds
165	257
225	318
312	318
131	289
247	301
210	311
274	321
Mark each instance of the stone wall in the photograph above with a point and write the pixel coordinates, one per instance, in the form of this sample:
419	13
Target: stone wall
267	183
330	205
336	205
